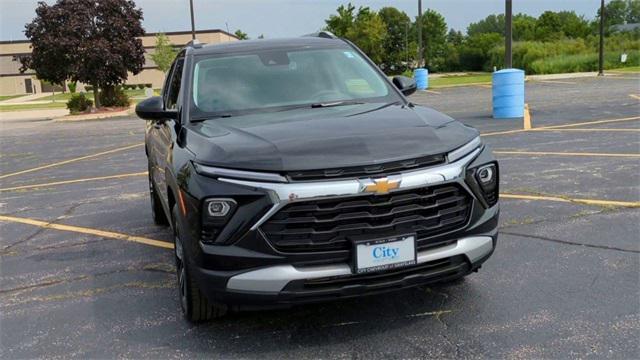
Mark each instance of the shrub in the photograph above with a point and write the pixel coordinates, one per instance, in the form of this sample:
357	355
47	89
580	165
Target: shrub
140	86
148	85
583	62
79	103
114	96
72	87
88	88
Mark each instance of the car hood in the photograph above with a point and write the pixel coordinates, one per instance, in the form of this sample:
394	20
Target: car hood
325	138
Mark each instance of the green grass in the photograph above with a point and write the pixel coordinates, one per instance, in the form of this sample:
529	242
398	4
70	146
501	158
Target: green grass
630	69
67	95
7	97
22	107
457	80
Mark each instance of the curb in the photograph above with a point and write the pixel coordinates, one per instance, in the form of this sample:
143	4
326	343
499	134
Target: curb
95	116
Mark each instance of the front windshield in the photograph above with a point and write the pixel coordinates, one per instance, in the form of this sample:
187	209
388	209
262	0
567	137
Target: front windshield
247	82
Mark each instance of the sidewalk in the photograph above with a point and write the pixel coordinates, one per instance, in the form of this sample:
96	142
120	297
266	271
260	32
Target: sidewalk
26	98
32	114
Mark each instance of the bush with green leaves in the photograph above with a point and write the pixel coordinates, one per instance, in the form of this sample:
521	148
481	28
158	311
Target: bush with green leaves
78	103
114	96
569	55
88	88
72	87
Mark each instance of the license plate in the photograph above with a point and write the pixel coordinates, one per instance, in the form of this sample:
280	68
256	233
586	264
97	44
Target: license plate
385	254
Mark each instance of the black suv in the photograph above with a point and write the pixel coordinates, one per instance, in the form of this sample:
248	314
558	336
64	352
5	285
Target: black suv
294	171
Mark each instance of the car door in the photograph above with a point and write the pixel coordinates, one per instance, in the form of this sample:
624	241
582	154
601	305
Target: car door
163	132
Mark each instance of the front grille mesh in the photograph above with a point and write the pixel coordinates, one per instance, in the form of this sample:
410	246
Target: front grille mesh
325	225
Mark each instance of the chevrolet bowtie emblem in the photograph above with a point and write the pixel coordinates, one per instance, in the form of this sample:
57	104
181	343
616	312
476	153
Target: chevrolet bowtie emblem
380	186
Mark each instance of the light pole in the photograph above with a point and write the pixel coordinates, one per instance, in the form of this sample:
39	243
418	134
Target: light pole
406	43
601	50
420	33
508	37
193	24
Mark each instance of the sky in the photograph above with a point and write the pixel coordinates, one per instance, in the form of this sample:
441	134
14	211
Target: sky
283	18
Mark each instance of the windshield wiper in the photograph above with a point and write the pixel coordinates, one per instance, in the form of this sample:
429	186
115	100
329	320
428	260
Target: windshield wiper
336	103
204	118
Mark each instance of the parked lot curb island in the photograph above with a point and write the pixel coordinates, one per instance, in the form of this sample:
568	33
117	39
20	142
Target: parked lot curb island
97	116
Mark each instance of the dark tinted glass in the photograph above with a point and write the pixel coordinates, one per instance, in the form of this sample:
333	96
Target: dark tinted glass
174	85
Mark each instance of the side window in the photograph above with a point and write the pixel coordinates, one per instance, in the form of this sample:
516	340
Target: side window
173	85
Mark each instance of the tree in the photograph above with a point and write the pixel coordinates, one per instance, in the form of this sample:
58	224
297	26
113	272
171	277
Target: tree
366	29
434	34
633	12
341	23
524	27
241	35
395	45
164	53
94	42
574	26
490	24
368	33
619	12
549	26
474	53
455	37
615	12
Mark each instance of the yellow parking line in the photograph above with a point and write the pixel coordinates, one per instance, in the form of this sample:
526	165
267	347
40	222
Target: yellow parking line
503	132
629	204
592	130
607	121
71	160
527	117
637	97
542	153
90	231
144	173
543	128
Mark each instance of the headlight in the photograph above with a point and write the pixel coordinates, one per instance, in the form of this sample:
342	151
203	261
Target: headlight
484	181
486	175
215	215
219	207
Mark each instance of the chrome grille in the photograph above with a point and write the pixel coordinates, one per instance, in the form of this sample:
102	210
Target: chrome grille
324	225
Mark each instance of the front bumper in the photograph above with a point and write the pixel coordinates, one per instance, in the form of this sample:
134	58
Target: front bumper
250	271
285	285
273	279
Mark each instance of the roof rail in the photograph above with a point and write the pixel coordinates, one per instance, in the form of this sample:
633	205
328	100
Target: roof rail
195	43
323	34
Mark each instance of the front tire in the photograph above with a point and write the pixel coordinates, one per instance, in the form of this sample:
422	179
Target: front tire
195	306
157	211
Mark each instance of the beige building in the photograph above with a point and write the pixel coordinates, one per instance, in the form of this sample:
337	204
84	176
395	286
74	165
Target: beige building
12	82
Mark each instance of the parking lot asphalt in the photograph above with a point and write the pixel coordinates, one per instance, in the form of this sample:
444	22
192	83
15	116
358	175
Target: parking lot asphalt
85	273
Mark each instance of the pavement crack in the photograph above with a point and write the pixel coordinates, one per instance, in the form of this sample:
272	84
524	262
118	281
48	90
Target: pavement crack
153	267
567	242
71	209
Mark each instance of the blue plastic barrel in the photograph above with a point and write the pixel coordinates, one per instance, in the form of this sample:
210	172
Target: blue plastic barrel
422	78
508	94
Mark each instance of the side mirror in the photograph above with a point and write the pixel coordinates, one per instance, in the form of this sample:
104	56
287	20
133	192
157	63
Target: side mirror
153	109
407	85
